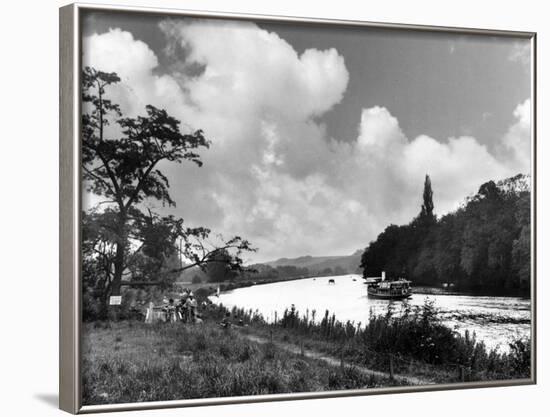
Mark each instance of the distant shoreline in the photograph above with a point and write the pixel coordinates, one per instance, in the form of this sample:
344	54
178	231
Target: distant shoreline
432	290
420	289
234	285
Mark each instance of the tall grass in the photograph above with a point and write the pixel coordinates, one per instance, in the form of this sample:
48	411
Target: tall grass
123	363
132	362
415	340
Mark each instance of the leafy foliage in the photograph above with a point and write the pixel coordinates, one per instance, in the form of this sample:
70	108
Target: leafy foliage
484	245
219	268
121	237
124	168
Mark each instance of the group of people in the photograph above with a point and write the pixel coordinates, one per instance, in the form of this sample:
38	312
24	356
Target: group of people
186	310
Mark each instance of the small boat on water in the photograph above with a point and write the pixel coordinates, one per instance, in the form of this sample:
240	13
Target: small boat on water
378	287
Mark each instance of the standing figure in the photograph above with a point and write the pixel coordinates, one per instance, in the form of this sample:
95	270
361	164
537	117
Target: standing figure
183	306
170	311
191	305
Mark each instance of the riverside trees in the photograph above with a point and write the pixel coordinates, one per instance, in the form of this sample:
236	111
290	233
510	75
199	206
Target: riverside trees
484	245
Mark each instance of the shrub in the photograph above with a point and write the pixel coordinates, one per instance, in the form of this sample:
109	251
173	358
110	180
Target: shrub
520	356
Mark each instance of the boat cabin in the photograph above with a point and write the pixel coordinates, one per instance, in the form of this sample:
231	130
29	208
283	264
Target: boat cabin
379	287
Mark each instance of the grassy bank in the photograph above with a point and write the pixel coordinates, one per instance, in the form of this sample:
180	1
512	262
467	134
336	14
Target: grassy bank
132	361
415	343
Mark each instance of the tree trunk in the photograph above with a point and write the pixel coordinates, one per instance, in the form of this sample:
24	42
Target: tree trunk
114	289
119	267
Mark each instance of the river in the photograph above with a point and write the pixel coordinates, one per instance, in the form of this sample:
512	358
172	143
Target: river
495	320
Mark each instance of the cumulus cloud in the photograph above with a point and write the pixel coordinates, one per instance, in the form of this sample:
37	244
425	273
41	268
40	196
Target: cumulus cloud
259	73
272	175
394	167
133	60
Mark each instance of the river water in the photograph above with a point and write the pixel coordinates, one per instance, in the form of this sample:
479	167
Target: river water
495	320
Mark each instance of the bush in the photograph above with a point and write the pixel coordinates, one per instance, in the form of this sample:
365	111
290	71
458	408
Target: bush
201	294
520	356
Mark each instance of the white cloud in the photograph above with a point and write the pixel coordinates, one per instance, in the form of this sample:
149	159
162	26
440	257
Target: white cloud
384	170
272	174
517	140
133	60
521	52
259	72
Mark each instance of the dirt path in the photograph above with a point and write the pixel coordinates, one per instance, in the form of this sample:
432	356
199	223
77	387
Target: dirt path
331	360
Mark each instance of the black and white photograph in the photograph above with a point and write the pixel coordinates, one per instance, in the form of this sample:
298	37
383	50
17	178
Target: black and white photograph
285	207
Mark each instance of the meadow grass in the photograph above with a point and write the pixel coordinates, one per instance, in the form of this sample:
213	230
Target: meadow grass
133	362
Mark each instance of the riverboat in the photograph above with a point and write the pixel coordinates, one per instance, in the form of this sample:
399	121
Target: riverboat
378	287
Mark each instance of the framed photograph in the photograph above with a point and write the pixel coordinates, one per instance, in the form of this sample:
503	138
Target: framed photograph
259	208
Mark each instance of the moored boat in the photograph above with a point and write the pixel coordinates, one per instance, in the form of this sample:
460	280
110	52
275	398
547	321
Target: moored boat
378	287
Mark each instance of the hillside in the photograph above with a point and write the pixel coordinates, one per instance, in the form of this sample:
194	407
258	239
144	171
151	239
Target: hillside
288	267
317	264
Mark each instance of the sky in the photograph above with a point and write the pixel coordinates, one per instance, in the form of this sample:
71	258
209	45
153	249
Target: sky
321	135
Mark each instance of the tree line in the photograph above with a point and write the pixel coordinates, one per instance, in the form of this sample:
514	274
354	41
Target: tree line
482	246
266	272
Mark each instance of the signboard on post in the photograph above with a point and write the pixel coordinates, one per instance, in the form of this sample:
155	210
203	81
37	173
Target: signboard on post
115	300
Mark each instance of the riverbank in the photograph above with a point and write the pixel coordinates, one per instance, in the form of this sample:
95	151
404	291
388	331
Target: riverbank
135	362
415	343
132	361
479	292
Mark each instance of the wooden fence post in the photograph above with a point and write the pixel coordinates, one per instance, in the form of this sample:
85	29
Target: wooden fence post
461	373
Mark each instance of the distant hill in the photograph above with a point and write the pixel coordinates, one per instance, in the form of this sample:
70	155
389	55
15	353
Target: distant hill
338	265
348	263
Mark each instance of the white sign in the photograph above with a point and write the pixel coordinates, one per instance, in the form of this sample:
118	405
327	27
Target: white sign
115	300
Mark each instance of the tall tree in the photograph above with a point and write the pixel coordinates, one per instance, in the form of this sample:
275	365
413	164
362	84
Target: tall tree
427	210
121	164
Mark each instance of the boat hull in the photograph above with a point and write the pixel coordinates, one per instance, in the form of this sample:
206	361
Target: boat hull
382	296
